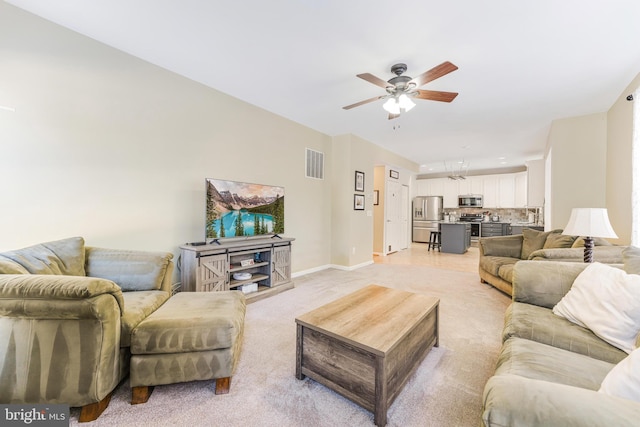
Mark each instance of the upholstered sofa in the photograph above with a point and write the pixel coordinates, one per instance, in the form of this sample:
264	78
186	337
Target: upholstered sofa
499	254
554	372
66	316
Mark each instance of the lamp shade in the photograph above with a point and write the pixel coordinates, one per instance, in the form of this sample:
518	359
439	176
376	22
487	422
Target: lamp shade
391	106
591	222
405	103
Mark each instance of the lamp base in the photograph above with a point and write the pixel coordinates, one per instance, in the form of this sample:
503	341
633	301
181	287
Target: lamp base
588	249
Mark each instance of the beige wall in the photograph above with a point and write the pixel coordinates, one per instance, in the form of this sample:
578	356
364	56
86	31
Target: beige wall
578	166
353	231
114	149
619	139
380	174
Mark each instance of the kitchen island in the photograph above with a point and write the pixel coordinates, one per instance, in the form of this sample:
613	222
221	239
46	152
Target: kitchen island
455	237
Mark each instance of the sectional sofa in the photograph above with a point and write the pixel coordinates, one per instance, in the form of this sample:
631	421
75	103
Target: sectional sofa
551	371
66	316
498	255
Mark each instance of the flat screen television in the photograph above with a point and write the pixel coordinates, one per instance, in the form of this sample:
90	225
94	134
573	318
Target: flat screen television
241	209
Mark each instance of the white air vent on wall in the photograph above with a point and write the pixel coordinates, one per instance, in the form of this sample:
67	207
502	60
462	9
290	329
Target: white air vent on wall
314	164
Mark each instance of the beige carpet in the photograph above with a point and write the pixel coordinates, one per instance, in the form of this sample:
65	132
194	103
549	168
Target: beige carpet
446	389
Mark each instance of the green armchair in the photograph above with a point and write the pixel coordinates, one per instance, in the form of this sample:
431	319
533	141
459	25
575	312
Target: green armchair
66	314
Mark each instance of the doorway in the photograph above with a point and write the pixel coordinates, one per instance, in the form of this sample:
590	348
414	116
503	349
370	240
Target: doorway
396	217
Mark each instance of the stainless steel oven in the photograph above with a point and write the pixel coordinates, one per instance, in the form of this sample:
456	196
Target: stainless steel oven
474	220
470	201
475	230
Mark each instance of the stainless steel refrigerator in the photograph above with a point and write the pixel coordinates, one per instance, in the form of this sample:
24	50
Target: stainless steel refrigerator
427	211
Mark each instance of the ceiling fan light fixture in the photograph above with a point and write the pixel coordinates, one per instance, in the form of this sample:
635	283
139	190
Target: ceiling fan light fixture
405	103
401	88
391	106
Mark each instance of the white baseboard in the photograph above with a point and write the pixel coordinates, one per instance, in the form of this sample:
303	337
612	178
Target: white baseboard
351	268
311	270
326	266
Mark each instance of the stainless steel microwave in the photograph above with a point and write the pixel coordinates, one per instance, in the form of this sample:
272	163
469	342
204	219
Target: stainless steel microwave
470	201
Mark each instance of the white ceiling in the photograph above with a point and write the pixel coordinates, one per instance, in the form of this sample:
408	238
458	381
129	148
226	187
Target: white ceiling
521	64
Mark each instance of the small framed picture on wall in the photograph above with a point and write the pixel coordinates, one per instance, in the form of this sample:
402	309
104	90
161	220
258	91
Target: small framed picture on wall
394	174
359	181
358	202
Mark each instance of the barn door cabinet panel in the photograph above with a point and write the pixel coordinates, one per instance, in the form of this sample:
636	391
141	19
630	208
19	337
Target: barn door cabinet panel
281	273
257	267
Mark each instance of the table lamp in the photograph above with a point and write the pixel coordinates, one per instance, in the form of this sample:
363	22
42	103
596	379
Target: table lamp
589	223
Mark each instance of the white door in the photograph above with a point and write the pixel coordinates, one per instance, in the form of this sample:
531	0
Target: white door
404	217
393	222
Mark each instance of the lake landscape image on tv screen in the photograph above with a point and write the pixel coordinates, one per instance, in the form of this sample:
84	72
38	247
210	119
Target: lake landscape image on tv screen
236	209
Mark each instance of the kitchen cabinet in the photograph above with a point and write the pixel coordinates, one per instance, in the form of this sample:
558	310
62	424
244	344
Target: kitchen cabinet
535	183
506	191
491	229
476	184
450	193
499	191
471	185
421	188
455	238
490	194
435	187
521	190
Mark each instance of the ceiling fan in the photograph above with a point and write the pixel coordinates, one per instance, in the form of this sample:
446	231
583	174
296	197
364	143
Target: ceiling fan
401	89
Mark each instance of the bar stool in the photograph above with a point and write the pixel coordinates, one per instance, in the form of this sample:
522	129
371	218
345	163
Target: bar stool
434	241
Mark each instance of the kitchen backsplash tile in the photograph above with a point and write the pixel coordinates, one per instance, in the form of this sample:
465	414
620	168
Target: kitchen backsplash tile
504	215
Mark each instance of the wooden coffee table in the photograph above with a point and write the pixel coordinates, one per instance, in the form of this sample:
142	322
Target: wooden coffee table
367	344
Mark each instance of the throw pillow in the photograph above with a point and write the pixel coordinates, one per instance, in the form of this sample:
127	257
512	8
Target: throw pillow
597	241
499	246
606	300
558	240
631	259
624	379
131	270
532	240
64	256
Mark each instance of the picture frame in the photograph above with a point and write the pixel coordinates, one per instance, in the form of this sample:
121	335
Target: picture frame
358	202
359	181
376	197
394	174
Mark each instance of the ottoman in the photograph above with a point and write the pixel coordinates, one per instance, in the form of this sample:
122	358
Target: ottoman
192	336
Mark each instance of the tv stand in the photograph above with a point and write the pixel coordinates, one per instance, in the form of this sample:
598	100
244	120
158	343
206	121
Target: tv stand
211	267
276	235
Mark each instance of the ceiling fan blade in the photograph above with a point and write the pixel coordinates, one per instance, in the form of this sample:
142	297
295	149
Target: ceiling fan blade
366	101
434	73
436	95
375	80
393	116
